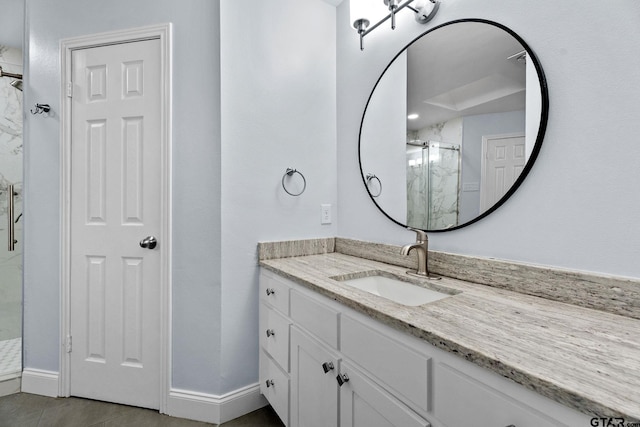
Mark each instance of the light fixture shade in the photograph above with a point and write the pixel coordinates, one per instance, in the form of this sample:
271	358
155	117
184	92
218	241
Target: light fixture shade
372	10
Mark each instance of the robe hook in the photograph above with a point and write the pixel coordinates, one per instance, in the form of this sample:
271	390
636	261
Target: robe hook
41	108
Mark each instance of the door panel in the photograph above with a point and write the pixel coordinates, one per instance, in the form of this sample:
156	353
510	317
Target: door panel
504	160
115	202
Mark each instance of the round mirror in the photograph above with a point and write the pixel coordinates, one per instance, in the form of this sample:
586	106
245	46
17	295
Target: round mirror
453	125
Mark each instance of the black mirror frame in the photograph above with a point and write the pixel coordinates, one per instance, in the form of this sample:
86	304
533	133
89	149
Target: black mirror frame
544	115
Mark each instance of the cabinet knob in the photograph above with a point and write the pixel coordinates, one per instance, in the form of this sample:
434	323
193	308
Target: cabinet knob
270	332
342	378
327	366
270	291
269	383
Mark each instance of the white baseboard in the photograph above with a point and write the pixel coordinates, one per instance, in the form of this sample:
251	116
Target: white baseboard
213	408
10	386
37	381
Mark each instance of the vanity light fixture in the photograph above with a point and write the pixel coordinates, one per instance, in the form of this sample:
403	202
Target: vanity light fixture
362	13
413	116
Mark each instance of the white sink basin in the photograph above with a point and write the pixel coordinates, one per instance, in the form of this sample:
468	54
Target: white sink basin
404	293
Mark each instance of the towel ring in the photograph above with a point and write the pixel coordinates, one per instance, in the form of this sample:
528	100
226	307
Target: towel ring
371	177
290	173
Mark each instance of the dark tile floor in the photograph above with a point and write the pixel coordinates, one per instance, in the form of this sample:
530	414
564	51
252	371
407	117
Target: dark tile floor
30	410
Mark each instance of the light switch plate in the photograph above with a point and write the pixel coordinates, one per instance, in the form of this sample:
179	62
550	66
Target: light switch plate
325	214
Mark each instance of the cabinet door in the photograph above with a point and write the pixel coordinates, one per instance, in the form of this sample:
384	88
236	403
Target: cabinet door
364	404
314	392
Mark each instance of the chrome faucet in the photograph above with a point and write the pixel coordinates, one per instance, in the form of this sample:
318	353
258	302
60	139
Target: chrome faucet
422	248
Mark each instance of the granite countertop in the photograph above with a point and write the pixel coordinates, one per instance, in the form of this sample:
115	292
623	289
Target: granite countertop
586	359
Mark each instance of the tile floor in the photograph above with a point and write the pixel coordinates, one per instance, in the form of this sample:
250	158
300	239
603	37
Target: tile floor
30	410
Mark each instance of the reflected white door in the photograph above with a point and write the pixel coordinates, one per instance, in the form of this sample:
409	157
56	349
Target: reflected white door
115	203
504	159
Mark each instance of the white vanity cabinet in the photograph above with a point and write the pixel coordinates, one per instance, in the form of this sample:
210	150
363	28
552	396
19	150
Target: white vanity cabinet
274	344
387	378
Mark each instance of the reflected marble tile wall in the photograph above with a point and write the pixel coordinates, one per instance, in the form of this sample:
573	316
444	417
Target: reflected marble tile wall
433	176
10	173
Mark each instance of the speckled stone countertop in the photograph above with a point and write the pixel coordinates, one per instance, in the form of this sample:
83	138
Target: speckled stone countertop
586	359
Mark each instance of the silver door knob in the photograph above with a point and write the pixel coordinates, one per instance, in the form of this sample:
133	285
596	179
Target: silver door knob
148	242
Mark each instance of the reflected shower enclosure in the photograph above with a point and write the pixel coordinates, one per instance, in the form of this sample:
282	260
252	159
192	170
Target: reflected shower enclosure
10	213
433	184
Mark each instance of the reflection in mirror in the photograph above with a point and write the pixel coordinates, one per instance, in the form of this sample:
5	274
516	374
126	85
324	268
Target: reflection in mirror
453	125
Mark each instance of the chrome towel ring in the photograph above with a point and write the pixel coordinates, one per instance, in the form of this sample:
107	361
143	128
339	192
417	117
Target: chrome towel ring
289	173
371	177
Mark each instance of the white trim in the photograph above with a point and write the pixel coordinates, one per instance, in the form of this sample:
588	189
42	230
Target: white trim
37	381
213	408
162	32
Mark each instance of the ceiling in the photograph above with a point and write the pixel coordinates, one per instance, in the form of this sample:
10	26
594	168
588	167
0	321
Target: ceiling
462	69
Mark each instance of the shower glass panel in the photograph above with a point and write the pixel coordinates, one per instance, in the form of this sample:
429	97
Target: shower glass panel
10	210
433	185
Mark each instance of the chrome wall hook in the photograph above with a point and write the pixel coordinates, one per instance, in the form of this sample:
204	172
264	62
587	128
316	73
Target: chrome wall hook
41	108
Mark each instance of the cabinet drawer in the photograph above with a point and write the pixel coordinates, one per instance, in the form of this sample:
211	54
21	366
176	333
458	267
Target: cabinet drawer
400	367
275	293
274	385
315	317
274	335
461	401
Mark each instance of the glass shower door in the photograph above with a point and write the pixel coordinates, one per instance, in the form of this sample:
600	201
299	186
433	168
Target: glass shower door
10	215
433	186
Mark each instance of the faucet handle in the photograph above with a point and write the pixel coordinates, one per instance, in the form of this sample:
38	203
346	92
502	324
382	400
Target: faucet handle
421	235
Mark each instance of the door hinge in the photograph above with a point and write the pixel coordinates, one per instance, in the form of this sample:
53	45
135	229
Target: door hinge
70	90
68	344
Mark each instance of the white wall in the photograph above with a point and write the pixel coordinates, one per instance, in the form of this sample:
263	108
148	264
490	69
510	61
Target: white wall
384	135
12	23
579	206
278	111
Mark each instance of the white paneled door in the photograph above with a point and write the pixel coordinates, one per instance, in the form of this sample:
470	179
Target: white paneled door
504	160
115	292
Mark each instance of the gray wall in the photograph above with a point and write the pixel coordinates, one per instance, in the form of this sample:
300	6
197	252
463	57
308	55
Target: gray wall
277	109
579	206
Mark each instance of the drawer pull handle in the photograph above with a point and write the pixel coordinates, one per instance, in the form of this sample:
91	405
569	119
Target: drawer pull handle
270	332
327	366
269	383
270	291
342	378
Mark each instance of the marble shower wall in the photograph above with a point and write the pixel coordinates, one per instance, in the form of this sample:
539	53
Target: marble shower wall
10	173
433	176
